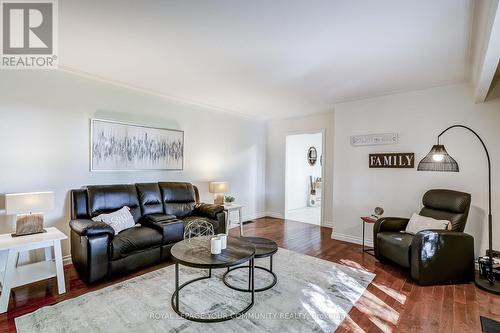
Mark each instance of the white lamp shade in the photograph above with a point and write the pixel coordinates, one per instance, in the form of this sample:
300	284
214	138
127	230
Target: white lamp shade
22	203
218	187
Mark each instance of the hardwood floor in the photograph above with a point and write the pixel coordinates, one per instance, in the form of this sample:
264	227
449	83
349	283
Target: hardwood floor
392	302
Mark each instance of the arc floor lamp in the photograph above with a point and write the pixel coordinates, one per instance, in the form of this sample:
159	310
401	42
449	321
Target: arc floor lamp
438	159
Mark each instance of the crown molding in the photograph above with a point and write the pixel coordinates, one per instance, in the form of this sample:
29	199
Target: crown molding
179	100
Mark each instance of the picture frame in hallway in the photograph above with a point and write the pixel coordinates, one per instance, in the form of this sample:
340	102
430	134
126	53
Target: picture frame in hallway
119	146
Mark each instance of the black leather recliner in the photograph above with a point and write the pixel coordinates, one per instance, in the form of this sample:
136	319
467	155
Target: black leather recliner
161	211
433	256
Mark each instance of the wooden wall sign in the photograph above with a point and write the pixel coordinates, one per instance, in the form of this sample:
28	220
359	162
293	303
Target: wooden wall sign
392	160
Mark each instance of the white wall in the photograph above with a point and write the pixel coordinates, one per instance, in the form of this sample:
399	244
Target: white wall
44	141
298	168
418	117
277	130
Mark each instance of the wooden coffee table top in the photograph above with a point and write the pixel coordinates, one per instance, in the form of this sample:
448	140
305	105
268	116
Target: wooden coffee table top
263	247
196	253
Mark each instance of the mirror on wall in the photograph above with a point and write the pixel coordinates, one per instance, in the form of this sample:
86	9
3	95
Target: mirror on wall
312	155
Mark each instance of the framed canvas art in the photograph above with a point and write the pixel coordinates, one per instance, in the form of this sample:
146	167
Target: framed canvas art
128	147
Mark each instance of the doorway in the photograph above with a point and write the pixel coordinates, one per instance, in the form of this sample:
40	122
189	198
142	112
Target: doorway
304	177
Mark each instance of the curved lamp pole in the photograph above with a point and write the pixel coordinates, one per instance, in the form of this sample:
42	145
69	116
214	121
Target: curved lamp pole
438	159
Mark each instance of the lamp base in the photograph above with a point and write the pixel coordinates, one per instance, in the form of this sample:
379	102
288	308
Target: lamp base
219	199
32	233
27	224
485	285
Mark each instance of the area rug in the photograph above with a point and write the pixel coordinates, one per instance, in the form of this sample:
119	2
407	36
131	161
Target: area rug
312	295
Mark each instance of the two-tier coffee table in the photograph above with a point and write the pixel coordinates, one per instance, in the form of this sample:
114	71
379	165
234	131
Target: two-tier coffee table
195	252
263	248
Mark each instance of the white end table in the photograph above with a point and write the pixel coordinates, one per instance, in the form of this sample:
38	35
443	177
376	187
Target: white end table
230	208
12	276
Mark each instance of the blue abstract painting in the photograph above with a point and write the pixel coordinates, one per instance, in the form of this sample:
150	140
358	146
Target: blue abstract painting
121	146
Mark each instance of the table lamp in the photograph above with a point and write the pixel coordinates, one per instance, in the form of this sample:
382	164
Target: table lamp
218	188
28	208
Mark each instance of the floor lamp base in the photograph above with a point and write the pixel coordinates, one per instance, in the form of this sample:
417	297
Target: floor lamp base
484	284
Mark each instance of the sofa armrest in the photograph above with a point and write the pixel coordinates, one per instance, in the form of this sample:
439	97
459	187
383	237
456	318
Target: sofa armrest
169	226
208	210
89	228
442	256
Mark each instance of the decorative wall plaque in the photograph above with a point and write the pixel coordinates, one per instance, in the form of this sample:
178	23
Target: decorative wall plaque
392	160
375	139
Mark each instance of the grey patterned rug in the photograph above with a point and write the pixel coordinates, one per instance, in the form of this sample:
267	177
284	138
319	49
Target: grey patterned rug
312	295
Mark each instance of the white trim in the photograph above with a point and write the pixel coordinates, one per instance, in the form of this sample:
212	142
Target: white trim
351	239
328	224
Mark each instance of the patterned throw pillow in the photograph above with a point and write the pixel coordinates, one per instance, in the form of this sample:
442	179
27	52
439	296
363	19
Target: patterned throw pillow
418	223
120	220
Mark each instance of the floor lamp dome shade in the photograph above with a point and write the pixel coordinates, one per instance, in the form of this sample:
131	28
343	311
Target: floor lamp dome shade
438	159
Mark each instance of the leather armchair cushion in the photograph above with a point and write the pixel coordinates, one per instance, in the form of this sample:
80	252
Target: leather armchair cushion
149	198
208	210
133	240
179	199
448	200
110	198
84	227
447	205
395	246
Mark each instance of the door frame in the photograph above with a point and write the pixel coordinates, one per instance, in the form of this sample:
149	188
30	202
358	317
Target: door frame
285	177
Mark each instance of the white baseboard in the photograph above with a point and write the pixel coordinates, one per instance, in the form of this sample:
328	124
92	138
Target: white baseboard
351	239
67	260
275	215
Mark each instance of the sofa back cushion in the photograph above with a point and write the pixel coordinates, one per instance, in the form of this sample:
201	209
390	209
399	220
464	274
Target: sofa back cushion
108	198
150	198
178	198
79	204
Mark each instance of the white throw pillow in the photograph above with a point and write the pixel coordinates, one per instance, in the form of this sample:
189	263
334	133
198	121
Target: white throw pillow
120	220
418	223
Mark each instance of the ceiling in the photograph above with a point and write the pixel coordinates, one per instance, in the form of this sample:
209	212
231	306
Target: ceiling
268	59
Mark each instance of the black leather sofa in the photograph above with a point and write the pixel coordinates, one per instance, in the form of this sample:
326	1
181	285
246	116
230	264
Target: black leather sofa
433	256
161	211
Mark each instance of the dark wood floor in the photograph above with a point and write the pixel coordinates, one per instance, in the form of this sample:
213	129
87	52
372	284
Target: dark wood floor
391	303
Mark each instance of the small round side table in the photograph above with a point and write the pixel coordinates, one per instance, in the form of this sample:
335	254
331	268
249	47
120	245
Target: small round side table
263	248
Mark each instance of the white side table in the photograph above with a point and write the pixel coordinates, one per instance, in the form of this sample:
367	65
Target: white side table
12	276
230	208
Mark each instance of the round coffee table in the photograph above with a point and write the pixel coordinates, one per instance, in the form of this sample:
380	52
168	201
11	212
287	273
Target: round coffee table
263	248
195	252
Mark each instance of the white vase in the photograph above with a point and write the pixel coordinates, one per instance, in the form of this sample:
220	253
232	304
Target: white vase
215	245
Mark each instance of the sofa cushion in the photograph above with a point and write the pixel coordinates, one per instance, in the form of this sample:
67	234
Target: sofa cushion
395	246
149	198
108	198
179	199
133	240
